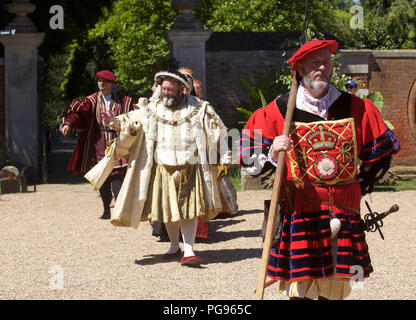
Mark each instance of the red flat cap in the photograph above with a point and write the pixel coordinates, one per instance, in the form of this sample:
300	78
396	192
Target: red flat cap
107	75
198	83
310	47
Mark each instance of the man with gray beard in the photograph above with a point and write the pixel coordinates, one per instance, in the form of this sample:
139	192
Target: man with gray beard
171	95
174	144
319	243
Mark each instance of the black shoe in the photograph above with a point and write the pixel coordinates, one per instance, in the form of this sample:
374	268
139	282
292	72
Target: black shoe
159	230
106	215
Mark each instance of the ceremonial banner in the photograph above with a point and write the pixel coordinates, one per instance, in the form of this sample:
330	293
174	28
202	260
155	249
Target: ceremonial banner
322	152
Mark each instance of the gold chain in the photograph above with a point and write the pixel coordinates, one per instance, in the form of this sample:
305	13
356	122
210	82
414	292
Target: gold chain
173	122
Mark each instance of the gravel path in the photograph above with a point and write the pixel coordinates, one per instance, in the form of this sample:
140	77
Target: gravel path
53	246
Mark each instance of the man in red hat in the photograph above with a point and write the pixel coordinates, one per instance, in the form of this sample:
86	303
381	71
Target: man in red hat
321	243
91	115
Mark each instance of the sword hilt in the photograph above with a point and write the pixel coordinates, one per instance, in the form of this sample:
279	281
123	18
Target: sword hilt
373	220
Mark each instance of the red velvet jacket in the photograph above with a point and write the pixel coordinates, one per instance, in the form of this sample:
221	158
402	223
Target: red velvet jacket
83	115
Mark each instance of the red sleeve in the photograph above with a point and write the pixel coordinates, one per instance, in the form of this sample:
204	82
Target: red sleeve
377	138
264	119
128	105
373	125
134	106
80	113
259	132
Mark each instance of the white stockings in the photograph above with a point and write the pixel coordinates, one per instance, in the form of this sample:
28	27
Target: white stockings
188	229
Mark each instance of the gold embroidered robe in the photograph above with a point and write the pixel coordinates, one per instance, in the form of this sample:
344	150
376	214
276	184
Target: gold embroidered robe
155	135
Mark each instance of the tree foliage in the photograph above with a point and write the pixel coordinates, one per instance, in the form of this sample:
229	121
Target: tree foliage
388	24
272	15
86	57
133	31
129	40
127	35
79	17
401	23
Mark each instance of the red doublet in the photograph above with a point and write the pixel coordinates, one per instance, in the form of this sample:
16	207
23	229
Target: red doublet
85	116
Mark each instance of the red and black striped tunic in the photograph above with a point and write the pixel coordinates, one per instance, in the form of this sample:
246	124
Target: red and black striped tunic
305	250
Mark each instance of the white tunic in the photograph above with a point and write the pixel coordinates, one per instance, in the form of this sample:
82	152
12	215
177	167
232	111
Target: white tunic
175	144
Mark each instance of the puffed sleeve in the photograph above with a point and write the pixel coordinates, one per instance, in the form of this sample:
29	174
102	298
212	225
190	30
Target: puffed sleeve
127	127
377	138
79	113
218	134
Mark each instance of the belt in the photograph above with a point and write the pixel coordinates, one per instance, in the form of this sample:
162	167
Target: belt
323	185
330	201
108	130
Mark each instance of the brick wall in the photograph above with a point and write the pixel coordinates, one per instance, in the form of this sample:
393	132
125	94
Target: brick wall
232	56
224	71
393	73
2	107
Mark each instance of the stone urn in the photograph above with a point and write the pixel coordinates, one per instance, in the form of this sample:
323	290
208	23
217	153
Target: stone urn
187	19
21	8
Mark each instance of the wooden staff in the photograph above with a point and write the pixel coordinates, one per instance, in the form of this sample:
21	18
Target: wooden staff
276	192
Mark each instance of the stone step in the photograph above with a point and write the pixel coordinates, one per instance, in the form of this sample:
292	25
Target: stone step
400	170
405	172
407	176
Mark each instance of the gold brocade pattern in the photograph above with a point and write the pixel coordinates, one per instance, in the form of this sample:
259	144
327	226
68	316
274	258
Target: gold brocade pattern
175	194
154	188
323	151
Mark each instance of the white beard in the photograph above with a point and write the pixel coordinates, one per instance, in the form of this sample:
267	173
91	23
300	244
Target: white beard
317	86
168	102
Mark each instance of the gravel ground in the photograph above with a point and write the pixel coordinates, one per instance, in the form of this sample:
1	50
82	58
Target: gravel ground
54	246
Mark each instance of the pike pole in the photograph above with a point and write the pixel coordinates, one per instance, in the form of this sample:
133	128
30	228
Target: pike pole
276	192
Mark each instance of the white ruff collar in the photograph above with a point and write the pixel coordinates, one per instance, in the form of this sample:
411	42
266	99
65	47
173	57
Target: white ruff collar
319	106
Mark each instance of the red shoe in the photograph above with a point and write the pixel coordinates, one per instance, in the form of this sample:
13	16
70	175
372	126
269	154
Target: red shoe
169	256
191	261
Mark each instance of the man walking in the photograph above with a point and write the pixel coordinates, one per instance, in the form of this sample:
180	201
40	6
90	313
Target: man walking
174	145
92	114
